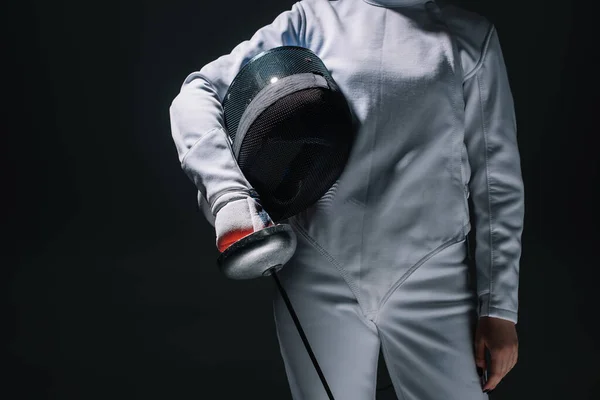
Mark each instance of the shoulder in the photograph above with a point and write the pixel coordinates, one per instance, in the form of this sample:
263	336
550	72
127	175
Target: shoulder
316	5
471	31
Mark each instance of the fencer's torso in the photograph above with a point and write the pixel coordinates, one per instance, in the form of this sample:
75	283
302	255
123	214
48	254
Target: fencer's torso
404	191
436	125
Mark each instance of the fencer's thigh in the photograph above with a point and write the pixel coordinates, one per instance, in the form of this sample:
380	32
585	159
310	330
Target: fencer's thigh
427	331
344	342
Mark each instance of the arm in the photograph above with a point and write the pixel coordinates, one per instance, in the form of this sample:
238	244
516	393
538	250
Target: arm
197	120
496	184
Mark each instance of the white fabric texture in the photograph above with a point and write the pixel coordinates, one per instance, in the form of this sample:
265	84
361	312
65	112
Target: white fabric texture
430	90
380	257
425	329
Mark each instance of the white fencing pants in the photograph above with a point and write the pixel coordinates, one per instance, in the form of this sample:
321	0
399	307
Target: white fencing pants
425	330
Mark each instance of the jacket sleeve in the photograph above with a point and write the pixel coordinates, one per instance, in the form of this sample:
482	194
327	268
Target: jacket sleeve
496	185
197	119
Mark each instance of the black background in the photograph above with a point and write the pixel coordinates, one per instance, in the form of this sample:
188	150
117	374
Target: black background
109	269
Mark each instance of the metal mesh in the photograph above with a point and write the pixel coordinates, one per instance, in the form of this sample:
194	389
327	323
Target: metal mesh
257	74
296	149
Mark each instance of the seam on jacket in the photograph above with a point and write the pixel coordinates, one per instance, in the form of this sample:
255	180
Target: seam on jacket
488	187
353	288
365	218
460	89
484	51
456	166
194	145
460	236
501	309
356	202
229	190
303	20
415	3
198	75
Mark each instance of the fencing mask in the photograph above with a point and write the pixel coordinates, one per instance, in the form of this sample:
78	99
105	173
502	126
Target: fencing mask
290	128
291	132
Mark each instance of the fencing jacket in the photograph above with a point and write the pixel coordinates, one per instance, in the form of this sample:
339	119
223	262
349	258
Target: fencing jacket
430	90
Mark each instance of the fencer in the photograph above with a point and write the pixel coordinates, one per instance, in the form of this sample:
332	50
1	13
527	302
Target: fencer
381	259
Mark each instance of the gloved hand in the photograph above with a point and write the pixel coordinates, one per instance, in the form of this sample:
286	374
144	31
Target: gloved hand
238	219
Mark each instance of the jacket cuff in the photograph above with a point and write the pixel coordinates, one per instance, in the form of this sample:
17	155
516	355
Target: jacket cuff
487	310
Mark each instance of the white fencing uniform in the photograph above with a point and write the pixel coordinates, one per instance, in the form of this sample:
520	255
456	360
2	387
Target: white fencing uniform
381	257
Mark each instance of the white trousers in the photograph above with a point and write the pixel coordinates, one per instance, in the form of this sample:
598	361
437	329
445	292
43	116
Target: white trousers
425	329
